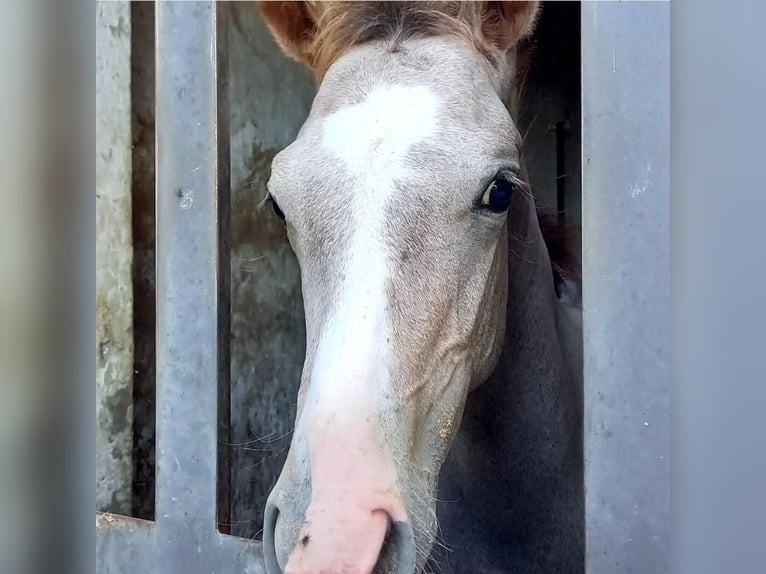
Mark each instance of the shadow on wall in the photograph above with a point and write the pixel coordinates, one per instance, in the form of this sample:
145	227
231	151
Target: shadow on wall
550	113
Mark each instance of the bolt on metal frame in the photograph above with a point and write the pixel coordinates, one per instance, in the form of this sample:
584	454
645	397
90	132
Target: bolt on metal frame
626	216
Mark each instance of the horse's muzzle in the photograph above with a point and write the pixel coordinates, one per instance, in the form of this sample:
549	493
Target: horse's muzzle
370	542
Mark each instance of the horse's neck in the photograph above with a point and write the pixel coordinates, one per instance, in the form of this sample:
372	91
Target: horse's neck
537	371
515	466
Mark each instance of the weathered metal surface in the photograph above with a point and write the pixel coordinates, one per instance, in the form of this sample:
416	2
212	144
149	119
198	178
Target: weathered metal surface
129	545
192	320
626	292
192	312
114	258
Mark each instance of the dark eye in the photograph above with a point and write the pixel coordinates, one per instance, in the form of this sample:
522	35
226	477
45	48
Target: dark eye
276	208
497	196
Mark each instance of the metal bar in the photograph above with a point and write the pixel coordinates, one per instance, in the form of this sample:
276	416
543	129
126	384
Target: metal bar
626	291
188	265
124	545
133	546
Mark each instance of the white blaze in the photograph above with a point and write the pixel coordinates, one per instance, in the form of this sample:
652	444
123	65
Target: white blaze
371	139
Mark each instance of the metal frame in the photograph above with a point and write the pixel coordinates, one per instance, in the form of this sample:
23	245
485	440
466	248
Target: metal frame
626	290
626	203
192	313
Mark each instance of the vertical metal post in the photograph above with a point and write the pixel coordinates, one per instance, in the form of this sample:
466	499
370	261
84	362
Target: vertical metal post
626	291
189	264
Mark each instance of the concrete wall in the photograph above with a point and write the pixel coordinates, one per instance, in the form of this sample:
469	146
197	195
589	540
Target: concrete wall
270	98
114	254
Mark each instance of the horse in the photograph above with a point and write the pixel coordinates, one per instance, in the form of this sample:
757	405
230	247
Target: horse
439	418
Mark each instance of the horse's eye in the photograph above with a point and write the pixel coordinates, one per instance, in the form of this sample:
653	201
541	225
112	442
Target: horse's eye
276	208
497	196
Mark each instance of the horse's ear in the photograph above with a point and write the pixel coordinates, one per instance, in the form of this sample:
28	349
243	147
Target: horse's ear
503	24
292	26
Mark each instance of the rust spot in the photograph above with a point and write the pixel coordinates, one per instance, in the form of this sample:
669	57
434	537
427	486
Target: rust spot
105	520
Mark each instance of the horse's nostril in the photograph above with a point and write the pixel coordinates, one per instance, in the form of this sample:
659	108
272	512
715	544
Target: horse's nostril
287	546
398	552
404	538
269	539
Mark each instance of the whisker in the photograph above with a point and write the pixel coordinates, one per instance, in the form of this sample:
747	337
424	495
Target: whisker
236	522
263	439
522	259
523	241
249	259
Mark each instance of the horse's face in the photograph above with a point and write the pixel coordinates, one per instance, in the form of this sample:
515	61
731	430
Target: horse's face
395	197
